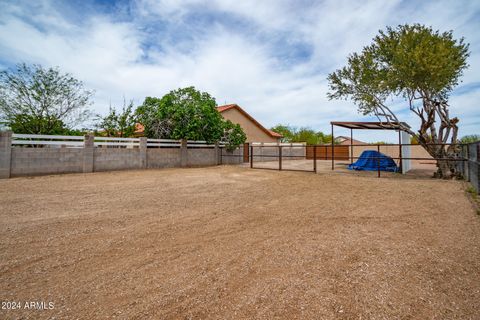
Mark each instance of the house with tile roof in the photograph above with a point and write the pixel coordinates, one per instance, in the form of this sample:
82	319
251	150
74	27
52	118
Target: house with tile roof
253	129
346	141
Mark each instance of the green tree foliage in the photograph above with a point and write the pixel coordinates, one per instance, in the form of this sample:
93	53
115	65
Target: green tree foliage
119	123
80	132
27	123
470	138
182	114
42	101
414	63
233	135
187	114
286	131
303	134
307	135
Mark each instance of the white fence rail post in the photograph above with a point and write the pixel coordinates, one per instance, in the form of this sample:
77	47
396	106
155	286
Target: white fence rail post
5	154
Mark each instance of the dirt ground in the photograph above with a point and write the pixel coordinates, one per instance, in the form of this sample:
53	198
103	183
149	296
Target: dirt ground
235	243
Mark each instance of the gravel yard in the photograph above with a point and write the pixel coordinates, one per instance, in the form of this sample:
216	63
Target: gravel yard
235	243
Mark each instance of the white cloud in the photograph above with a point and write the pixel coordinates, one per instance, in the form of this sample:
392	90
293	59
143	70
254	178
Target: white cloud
237	52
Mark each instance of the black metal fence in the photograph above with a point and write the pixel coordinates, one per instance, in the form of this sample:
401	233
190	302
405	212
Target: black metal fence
472	172
281	157
392	149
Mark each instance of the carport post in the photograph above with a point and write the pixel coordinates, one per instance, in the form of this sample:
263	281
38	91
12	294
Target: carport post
378	160
333	154
400	150
351	146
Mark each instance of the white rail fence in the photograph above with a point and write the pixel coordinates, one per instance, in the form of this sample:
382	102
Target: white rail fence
58	141
47	140
158	143
202	144
116	142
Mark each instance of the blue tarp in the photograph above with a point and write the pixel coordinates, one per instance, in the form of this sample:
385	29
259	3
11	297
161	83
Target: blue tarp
369	161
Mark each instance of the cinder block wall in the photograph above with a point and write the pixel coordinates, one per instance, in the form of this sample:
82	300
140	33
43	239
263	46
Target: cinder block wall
163	158
27	161
5	154
232	157
35	161
271	153
199	157
108	159
38	161
294	153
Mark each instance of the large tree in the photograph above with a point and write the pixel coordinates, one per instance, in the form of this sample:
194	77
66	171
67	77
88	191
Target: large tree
187	114
120	123
42	101
419	65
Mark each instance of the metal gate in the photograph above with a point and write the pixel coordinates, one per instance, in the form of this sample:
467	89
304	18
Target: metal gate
246	152
284	156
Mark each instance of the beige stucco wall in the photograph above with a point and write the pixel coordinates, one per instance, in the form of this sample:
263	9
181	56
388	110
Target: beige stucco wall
253	132
417	151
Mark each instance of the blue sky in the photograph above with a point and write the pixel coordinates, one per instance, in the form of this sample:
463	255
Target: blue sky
270	57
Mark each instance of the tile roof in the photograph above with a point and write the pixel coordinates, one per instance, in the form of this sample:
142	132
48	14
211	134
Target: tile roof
225	107
139	128
275	134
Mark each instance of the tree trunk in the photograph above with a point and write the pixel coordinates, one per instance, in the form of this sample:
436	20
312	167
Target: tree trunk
446	169
435	140
440	143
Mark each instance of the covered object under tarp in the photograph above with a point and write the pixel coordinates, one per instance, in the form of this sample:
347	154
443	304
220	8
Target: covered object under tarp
371	160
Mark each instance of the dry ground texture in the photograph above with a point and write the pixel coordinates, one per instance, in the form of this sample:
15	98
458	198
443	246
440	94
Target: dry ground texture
235	243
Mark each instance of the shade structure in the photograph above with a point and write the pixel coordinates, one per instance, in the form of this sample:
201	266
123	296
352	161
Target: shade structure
368	125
